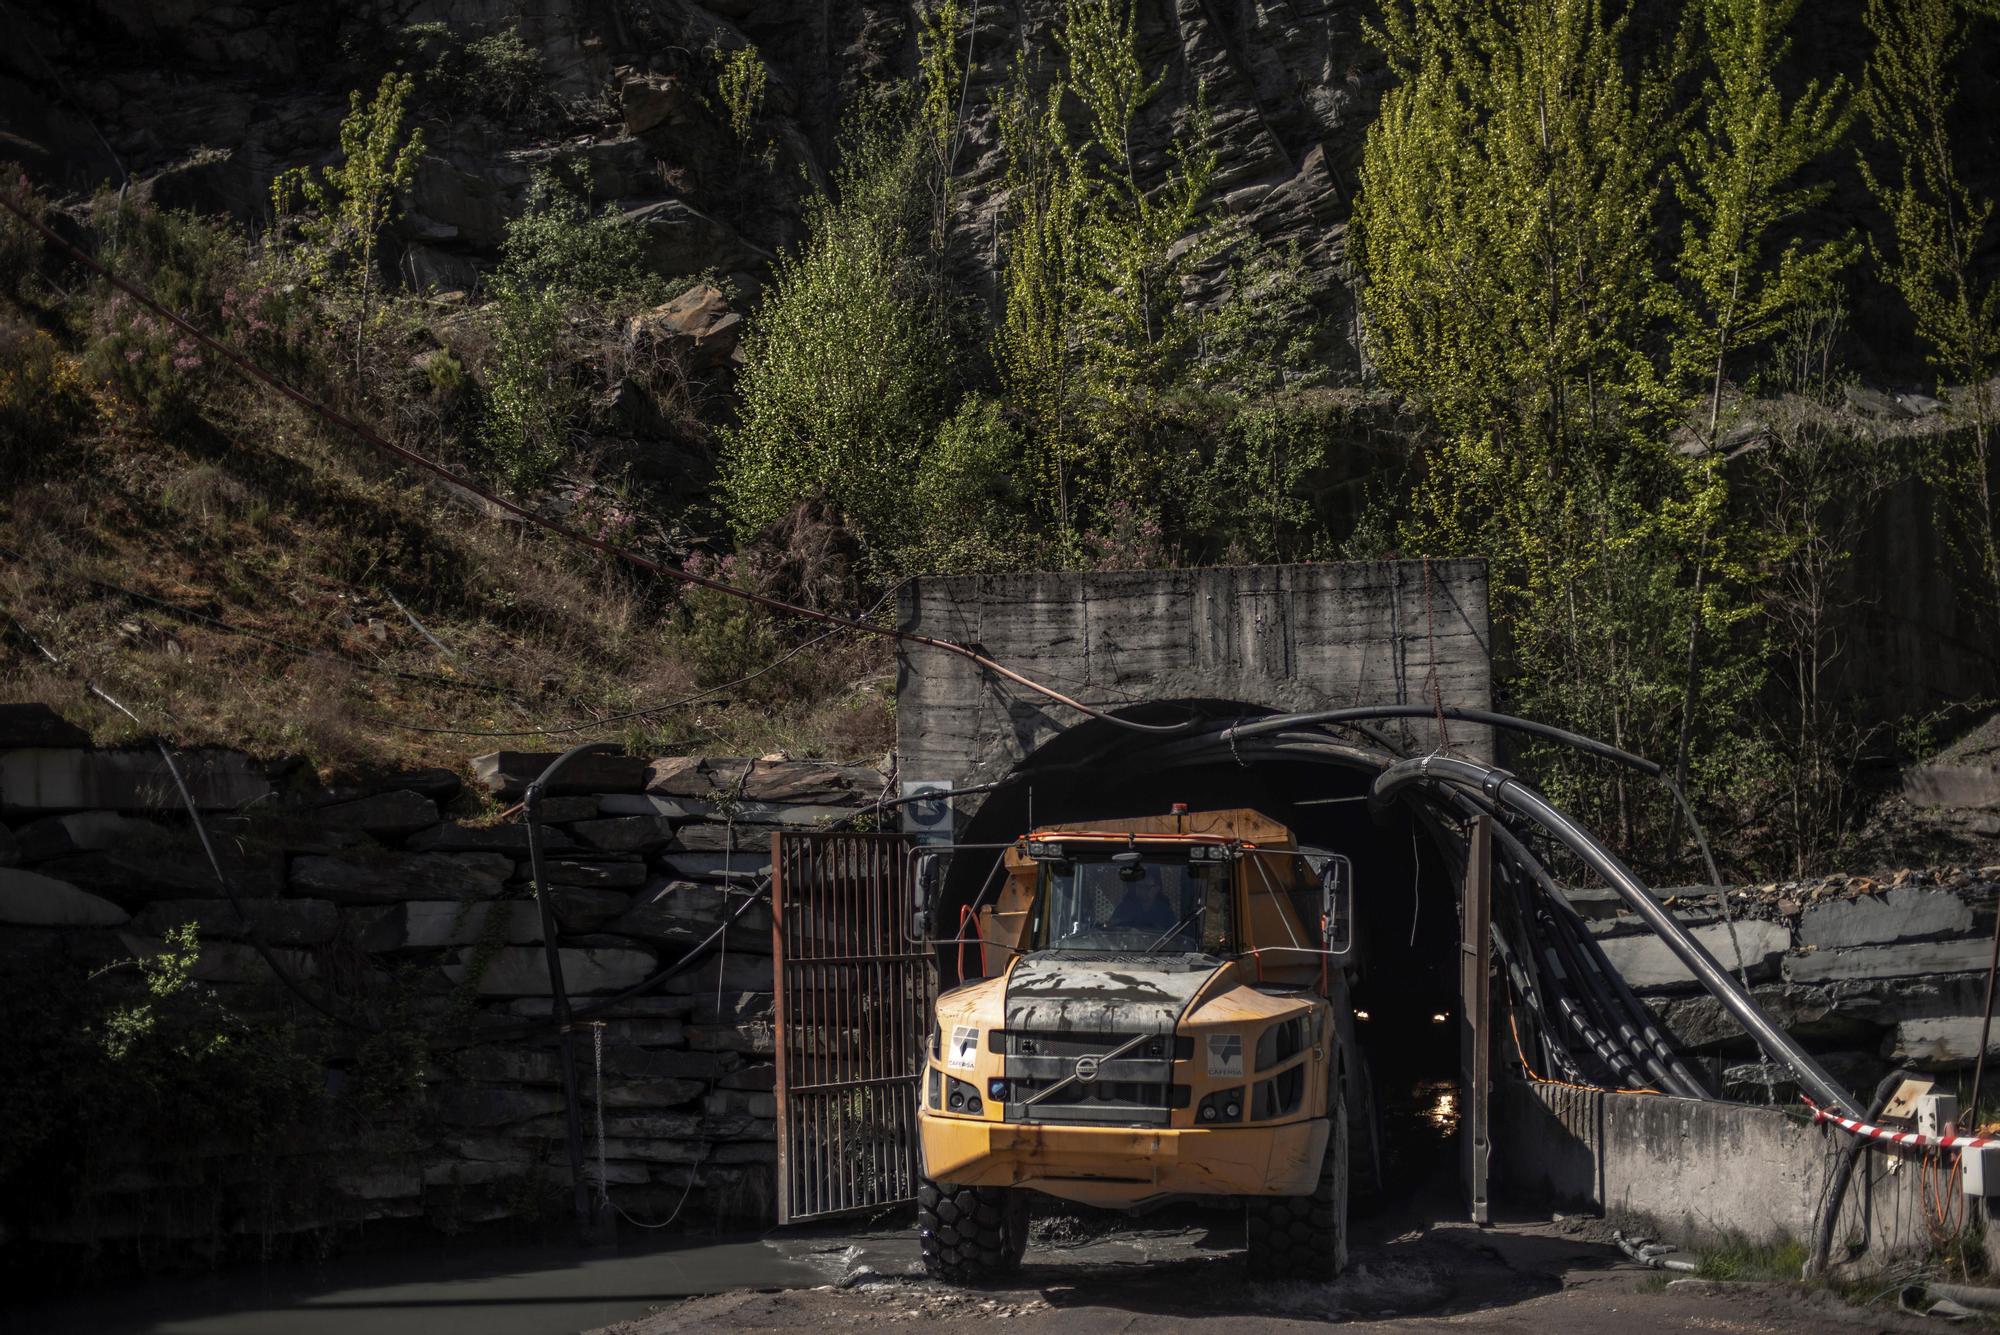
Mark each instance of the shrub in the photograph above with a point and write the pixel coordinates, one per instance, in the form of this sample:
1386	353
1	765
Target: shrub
533	398
498	74
43	400
190	266
557	243
739	79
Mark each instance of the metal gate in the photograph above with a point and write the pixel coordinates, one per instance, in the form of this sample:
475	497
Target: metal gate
853	1005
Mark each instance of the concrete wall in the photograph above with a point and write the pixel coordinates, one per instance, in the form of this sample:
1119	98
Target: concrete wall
1697	1173
1283	637
407	902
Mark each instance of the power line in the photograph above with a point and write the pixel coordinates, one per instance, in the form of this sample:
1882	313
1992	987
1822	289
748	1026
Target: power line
371	437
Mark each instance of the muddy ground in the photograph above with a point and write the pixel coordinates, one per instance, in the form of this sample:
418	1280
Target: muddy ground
1537	1276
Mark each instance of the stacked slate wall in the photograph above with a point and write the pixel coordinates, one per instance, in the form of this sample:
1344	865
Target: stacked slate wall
1869	972
403	904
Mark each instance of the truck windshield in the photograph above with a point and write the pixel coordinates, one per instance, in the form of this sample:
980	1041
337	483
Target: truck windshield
1165	906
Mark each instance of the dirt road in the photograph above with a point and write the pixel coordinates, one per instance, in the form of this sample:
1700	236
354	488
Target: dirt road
1539	1277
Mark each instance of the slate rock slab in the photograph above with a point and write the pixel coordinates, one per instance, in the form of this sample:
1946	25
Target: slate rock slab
1870	920
387	878
511	839
1646	962
286	922
507	774
431	924
391	814
36	724
516	971
30	899
35	779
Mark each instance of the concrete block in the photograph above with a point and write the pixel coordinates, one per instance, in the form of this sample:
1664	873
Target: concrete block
280	922
515	971
507	774
1646	962
391	815
29	899
1899	915
1899	961
37	779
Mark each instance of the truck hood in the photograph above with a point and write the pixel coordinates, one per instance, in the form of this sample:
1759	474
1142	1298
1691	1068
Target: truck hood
1075	991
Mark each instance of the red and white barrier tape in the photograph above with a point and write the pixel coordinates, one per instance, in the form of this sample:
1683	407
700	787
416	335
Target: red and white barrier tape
1906	1139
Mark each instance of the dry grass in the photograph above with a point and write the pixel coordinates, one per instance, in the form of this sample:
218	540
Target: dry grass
260	520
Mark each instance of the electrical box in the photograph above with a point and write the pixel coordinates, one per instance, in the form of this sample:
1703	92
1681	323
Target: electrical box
1935	1112
1981	1171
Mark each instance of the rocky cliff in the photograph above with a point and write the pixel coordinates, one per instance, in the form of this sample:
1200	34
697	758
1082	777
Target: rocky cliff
203	104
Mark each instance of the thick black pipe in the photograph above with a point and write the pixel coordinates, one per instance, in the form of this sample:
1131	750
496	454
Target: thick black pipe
1498	786
1836	1191
531	812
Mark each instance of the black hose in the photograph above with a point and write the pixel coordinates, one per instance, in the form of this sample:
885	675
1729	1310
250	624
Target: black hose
1499	786
1836	1191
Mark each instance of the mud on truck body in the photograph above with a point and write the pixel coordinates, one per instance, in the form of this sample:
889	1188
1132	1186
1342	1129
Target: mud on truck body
1164	1015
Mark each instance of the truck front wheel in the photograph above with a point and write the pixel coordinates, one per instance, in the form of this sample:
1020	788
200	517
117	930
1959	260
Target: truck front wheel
1305	1237
971	1233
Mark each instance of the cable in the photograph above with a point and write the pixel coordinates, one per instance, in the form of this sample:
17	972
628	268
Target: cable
369	436
303	651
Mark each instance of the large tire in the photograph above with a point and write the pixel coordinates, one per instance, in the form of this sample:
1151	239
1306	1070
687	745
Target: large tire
1305	1237
970	1234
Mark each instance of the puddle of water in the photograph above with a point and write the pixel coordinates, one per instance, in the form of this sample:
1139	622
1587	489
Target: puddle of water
516	1290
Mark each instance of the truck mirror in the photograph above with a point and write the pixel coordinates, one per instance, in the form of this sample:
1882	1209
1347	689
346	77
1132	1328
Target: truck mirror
1336	904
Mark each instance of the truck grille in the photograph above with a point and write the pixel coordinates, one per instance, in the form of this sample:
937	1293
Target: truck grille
1136	1089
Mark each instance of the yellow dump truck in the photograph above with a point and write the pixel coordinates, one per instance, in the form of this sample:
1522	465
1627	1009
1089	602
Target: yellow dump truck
1164	1015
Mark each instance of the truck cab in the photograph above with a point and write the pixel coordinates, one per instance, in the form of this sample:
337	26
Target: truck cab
1162	1013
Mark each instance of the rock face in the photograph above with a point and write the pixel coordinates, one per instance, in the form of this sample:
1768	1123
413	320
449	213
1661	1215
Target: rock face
1289	90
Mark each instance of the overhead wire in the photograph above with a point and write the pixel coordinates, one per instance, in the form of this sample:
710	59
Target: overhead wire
424	463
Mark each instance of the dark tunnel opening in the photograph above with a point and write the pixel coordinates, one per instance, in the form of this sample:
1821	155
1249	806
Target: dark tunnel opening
1406	893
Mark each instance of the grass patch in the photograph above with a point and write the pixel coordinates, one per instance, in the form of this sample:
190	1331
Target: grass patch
1741	1259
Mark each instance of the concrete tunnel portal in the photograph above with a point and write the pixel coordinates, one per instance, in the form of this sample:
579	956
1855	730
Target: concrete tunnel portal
1407	877
1219	646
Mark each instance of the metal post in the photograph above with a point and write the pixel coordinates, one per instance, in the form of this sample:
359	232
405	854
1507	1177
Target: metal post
587	1223
1476	1029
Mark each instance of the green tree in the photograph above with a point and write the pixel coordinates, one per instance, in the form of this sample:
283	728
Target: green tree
1738	181
850	370
1509	199
1097	333
343	209
1939	228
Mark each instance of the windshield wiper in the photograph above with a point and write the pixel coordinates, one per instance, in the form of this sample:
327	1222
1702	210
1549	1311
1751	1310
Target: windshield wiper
1180	926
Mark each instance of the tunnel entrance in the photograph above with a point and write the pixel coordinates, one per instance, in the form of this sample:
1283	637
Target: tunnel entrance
1407	881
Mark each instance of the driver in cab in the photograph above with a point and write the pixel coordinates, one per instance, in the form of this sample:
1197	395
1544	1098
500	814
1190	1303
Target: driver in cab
1146	904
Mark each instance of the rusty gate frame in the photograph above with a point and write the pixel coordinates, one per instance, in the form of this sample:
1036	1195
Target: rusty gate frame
852	1000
